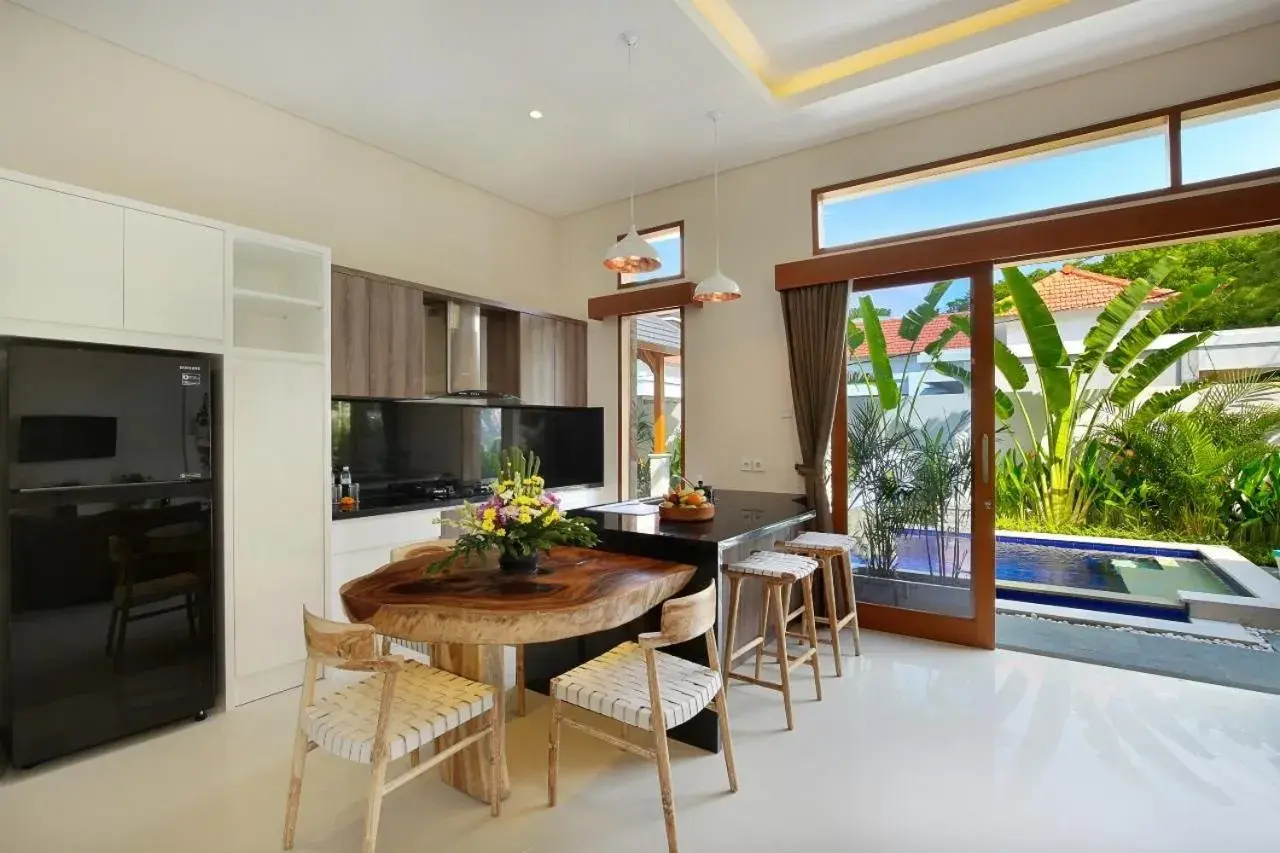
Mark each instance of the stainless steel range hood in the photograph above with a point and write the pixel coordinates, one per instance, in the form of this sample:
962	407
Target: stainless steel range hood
464	368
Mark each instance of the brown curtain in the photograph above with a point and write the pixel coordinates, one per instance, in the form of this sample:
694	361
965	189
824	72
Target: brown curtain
815	322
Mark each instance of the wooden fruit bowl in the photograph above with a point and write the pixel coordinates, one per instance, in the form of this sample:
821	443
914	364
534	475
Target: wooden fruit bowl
706	512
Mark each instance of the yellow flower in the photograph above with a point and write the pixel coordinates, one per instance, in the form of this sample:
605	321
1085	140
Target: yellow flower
502	532
490	514
551	517
524	517
487	526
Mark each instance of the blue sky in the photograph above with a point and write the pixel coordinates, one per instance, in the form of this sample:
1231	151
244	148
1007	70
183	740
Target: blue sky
1217	148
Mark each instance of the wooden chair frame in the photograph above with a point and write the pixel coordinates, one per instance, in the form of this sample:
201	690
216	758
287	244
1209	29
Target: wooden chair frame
354	648
683	619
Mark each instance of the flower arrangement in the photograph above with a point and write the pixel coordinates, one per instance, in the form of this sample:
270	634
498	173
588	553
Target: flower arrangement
519	521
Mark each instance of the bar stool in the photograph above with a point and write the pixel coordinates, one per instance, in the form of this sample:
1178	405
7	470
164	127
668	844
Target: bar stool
829	549
778	573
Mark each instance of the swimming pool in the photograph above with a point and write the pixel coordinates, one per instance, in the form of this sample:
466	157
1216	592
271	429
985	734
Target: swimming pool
1034	566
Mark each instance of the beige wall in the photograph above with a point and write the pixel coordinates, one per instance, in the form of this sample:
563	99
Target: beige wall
77	109
738	398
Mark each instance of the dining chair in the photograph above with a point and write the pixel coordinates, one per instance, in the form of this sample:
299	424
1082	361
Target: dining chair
414	549
403	706
651	690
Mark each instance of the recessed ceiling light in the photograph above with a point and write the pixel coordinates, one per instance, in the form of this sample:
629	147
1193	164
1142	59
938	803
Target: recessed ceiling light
535	113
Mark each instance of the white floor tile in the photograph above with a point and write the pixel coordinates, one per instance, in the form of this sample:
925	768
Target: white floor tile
920	747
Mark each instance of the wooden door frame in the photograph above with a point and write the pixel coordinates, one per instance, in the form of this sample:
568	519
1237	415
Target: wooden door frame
624	429
980	629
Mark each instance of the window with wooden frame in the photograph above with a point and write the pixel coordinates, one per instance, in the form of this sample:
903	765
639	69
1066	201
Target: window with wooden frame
1145	156
668	241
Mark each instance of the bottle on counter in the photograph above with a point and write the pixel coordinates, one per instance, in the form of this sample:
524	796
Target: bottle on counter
707	491
344	481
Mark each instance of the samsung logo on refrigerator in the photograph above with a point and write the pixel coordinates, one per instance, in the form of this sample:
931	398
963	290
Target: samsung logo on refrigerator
191	374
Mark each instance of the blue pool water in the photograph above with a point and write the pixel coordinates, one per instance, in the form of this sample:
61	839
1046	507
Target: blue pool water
1153	573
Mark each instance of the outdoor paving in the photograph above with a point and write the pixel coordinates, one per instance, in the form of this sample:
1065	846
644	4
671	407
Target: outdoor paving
1214	664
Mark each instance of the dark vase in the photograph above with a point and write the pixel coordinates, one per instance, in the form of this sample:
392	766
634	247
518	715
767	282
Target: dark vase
518	563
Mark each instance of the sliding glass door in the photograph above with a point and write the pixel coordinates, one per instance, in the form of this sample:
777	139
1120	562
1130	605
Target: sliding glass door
914	460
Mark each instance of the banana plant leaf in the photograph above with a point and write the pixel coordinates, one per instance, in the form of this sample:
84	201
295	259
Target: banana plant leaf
1157	323
1162	401
1009	365
960	373
915	320
878	355
1111	321
1140	375
1047	351
853	335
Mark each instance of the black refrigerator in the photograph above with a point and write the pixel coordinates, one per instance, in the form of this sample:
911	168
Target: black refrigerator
108	583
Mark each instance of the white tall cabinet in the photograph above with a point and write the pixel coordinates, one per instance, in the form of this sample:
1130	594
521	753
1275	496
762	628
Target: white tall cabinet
81	266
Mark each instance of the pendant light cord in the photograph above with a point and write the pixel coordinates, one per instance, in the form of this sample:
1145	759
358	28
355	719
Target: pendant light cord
715	180
631	139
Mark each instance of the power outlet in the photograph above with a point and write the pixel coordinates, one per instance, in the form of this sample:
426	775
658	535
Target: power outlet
757	465
745	464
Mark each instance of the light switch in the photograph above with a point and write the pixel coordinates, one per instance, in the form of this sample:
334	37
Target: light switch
745	465
757	465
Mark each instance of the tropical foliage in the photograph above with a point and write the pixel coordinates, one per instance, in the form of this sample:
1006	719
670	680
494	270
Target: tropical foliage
1090	445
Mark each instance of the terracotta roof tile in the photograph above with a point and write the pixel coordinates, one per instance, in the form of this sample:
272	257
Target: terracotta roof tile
1072	288
895	344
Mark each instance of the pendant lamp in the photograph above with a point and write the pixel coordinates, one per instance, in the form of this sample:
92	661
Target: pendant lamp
631	254
716	287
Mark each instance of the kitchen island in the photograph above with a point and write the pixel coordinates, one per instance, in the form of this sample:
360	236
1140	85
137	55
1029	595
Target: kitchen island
744	522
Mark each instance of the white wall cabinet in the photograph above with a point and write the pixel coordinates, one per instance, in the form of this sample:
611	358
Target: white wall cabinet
280	508
173	276
61	257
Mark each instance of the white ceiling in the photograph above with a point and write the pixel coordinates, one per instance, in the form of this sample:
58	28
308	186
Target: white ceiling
449	83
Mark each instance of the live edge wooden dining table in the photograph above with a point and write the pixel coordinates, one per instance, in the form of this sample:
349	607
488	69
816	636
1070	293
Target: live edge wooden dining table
469	613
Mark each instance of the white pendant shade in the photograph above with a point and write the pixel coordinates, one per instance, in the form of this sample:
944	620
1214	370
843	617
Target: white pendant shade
632	254
717	287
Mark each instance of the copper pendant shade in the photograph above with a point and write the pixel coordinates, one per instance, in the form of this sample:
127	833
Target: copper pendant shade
631	254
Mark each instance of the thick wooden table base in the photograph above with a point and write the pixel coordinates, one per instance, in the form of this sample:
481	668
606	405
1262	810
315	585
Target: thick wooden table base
467	771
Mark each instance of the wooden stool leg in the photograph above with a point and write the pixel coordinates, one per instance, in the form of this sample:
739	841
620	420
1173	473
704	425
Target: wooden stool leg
415	758
520	681
779	623
811	629
766	601
553	750
735	599
851	600
833	615
295	787
664	782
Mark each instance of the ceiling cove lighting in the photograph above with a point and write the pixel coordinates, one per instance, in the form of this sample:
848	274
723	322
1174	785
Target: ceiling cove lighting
716	287
631	254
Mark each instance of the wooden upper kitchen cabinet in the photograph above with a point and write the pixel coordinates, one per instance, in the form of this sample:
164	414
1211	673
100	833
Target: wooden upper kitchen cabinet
553	361
397	341
349	364
379	338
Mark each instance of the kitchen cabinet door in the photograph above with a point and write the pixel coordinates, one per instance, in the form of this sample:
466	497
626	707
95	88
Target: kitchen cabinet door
397	341
349	336
571	363
61	257
280	507
538	360
173	276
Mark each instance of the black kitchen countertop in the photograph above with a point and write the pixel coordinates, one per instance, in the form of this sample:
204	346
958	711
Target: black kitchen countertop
738	514
380	507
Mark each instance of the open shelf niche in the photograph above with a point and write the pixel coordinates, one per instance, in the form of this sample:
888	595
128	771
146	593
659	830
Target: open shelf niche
278	299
